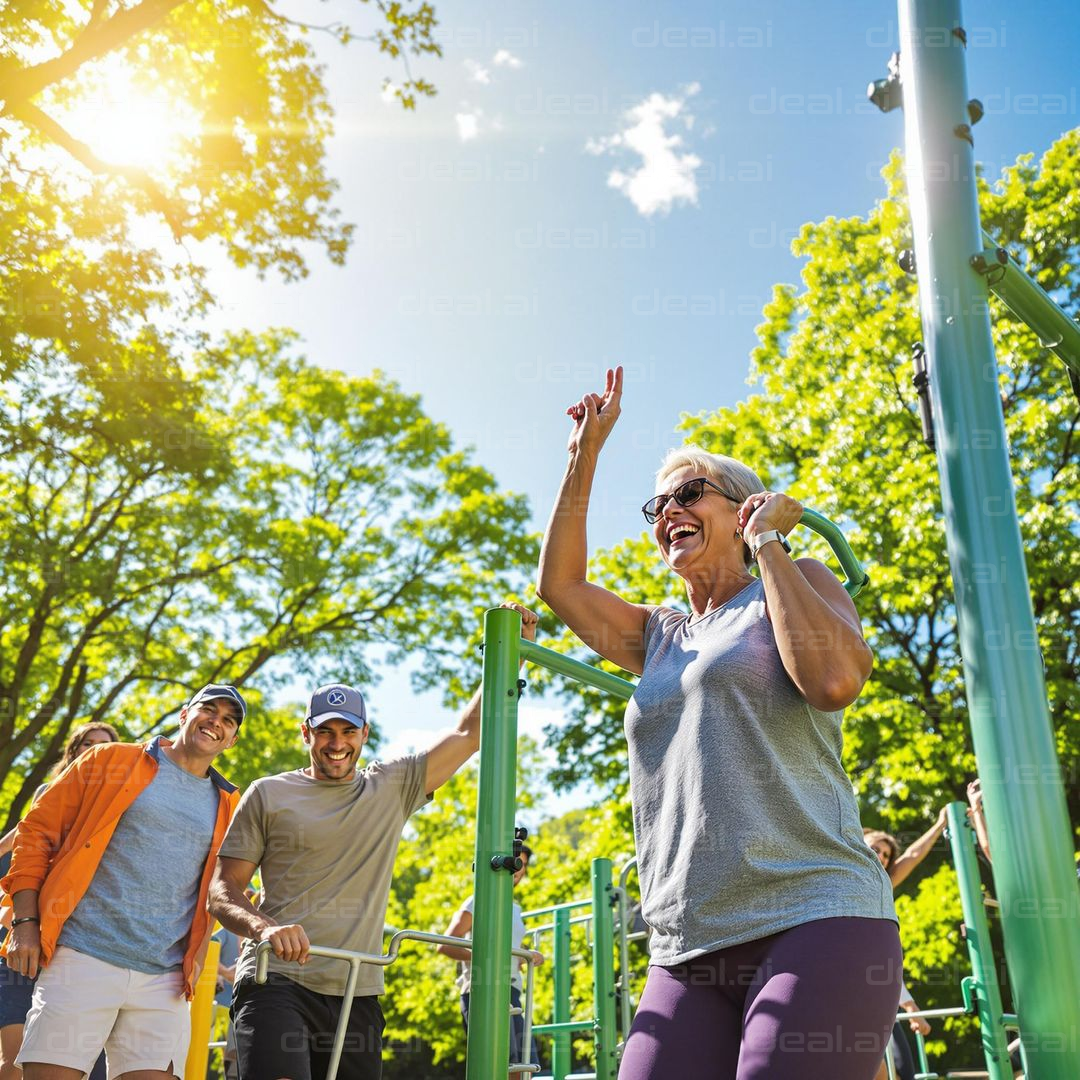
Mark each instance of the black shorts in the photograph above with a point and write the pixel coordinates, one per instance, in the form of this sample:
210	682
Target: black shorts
285	1031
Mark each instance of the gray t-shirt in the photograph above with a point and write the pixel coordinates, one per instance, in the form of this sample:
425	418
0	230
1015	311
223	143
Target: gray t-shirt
745	821
136	912
326	853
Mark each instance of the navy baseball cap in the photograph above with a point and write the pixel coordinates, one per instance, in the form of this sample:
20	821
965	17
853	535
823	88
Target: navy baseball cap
336	701
216	691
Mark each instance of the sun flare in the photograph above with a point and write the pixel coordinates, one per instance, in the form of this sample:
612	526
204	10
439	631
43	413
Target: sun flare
125	124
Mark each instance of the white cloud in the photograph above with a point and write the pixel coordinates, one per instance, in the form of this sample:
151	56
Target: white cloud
468	125
666	176
477	73
505	58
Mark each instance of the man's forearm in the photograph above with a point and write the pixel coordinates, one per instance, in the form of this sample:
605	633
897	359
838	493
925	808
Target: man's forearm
469	722
457	953
24	904
232	909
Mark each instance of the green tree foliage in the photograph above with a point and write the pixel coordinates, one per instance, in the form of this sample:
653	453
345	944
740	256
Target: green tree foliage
272	520
833	420
250	172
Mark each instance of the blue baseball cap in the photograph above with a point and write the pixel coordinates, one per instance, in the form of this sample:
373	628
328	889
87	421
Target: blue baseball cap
336	701
216	691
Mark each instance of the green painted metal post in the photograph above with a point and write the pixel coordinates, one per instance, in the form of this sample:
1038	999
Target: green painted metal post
560	1014
985	991
1025	804
606	1035
489	1004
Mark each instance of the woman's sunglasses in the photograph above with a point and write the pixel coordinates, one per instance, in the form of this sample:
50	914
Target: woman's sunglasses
685	495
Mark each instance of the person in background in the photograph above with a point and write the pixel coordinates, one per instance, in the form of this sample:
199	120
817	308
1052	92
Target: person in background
461	926
977	816
900	865
17	991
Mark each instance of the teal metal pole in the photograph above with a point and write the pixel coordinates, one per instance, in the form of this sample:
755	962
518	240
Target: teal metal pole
983	989
560	1013
1025	804
488	1046
606	1036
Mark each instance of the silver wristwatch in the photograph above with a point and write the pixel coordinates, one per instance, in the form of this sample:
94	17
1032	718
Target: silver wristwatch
761	539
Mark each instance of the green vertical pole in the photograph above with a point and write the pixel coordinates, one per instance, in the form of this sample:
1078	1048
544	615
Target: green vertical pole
985	991
560	974
488	1053
1025	804
605	1032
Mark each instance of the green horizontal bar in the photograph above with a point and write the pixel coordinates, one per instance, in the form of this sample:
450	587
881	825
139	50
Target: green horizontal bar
1031	304
570	1025
575	669
557	907
857	578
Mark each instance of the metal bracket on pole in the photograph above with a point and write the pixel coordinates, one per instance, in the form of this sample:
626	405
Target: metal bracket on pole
921	379
886	93
1031	304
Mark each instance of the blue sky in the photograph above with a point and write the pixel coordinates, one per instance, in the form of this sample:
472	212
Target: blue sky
511	243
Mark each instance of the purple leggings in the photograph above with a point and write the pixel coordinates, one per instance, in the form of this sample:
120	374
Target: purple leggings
815	1001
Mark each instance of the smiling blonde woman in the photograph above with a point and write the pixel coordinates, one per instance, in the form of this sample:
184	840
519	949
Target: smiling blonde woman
775	950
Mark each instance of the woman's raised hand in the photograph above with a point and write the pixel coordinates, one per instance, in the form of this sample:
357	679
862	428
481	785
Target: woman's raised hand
595	414
769	510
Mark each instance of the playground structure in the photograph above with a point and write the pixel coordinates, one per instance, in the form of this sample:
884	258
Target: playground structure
956	372
1029	828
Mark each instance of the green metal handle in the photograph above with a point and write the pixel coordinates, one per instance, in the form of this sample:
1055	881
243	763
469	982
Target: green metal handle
856	577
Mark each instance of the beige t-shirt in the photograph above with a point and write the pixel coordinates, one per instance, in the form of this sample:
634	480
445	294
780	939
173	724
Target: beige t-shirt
326	854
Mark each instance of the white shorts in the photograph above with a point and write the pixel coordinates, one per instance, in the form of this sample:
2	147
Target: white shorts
82	1004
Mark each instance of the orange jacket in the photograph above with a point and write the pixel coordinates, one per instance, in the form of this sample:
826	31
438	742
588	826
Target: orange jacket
60	842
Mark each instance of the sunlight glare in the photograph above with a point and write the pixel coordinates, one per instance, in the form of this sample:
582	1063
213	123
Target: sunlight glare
124	124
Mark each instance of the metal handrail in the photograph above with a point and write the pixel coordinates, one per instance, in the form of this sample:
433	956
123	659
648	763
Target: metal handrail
355	959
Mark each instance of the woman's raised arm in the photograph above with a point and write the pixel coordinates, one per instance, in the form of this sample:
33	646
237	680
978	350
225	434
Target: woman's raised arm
604	621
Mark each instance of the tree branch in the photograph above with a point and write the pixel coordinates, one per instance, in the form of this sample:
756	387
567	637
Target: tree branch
95	41
81	152
40	769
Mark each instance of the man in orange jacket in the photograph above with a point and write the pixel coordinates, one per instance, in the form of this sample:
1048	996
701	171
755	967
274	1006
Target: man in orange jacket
108	884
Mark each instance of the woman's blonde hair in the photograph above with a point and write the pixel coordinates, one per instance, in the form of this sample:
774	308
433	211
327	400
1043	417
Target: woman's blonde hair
737	479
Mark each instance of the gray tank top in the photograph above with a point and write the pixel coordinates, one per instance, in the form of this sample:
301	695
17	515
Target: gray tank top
745	821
